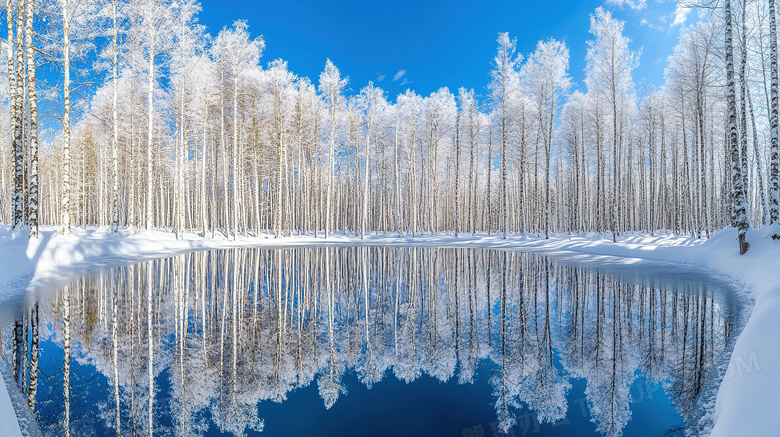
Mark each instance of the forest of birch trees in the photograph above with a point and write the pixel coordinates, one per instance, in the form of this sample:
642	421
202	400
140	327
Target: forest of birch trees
127	113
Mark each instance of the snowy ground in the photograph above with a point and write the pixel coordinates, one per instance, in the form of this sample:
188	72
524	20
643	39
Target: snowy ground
746	401
7	415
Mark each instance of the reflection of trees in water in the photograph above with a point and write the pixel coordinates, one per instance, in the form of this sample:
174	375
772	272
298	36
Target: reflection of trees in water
232	328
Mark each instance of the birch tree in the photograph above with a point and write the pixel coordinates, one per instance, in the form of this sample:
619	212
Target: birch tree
547	80
371	103
115	118
11	64
610	63
33	125
774	157
737	187
331	86
154	14
19	120
282	85
503	87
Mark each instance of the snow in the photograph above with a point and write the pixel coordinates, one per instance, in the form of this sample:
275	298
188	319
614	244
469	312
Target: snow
746	401
19	422
7	415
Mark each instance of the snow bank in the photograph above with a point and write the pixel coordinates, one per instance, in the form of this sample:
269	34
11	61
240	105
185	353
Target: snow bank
10	425
746	401
15	418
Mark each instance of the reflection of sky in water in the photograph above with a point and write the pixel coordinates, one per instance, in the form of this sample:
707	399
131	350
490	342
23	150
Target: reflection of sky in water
526	346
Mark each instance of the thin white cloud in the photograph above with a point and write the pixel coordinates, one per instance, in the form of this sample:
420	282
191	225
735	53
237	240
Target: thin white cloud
380	78
647	23
680	15
405	81
636	5
399	75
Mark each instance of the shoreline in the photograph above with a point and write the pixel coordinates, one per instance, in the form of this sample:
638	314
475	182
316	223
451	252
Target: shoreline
744	402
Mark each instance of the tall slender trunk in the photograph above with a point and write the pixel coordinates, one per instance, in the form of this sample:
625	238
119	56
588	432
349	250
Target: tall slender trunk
236	160
331	163
398	199
19	121
737	189
521	185
278	118
472	190
66	359
743	110
223	148
504	206
774	157
204	158
704	212
759	168
115	363
114	126
548	152
615	181
16	353
364	222
34	349
457	173
10	49
181	164
150	127
414	207
488	201
149	331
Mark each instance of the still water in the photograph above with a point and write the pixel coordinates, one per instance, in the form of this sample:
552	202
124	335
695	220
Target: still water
359	341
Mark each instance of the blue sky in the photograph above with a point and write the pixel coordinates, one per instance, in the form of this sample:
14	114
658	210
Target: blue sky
436	43
425	45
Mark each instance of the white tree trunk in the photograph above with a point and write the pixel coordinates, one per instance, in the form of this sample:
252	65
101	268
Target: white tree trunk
114	127
150	126
19	121
33	98
331	163
66	359
774	157
364	222
737	189
236	160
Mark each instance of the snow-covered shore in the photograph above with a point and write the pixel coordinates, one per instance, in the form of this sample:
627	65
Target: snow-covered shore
746	401
7	415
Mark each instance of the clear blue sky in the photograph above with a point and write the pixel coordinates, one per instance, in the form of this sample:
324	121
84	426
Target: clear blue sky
438	43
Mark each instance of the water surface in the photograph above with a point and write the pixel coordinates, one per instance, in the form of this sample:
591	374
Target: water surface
370	341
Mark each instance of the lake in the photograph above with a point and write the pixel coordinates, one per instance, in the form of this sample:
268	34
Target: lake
383	341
